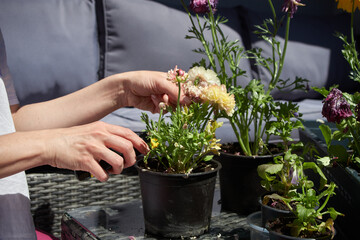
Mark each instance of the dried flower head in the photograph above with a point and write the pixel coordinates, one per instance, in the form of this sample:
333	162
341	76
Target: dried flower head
347	5
203	77
335	107
202	6
219	98
198	80
291	6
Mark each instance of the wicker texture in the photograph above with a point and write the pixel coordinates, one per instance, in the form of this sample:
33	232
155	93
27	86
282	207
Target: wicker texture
53	193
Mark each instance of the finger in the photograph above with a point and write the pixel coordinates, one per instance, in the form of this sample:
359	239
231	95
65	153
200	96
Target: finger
112	158
136	141
124	146
156	99
97	171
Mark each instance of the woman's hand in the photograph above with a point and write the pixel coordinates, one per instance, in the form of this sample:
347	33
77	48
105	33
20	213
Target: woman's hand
146	89
82	148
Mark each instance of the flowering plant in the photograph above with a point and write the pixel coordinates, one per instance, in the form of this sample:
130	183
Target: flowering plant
254	103
342	108
179	145
309	213
285	176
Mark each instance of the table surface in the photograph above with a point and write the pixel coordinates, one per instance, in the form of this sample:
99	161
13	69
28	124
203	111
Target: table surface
125	221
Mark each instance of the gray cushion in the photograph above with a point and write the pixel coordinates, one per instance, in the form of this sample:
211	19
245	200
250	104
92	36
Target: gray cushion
139	39
313	52
51	46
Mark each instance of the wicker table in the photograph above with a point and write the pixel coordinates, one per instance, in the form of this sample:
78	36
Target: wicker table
125	221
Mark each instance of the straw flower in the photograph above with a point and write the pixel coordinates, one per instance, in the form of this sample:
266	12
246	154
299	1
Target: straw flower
218	97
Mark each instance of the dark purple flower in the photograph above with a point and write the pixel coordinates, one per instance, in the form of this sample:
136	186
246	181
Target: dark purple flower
202	6
335	107
291	6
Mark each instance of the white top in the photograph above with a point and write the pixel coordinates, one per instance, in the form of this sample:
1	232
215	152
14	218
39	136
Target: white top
15	216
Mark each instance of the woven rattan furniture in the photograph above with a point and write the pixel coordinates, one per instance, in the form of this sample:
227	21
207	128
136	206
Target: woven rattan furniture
52	194
125	221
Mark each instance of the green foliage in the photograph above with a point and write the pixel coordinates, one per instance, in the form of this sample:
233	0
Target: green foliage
183	139
310	209
254	102
286	174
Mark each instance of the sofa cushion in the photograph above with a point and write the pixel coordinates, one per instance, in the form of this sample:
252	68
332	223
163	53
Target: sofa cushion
51	46
313	53
138	39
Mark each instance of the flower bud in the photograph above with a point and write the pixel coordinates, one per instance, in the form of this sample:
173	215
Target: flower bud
201	6
162	105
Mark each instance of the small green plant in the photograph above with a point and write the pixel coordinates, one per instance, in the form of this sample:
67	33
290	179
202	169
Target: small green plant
184	139
310	212
285	176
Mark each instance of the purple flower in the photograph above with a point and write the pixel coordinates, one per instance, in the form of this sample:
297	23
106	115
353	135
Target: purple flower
290	6
202	6
335	107
294	177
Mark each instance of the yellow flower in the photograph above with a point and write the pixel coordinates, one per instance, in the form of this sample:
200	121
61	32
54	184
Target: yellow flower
218	97
154	143
347	5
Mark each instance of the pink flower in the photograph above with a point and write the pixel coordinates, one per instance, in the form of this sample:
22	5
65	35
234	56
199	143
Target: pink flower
202	6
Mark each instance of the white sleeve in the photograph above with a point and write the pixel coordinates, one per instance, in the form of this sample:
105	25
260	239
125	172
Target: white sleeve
5	74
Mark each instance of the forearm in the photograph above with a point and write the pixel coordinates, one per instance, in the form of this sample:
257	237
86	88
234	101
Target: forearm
20	151
84	106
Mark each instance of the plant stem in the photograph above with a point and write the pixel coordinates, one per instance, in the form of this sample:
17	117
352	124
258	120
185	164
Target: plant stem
283	54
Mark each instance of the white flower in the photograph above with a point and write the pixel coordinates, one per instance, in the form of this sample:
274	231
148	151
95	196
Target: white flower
202	76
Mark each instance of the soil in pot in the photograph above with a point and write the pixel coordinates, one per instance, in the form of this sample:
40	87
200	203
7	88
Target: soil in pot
239	181
177	205
272	209
279	230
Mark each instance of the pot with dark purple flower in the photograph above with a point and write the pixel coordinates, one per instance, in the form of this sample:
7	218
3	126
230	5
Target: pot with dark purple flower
340	153
255	107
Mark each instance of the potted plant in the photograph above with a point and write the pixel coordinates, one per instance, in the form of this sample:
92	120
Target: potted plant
283	178
178	175
340	151
311	220
251	121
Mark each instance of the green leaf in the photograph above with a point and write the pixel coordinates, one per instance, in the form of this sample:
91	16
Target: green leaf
326	132
325	161
208	157
339	151
265	170
316	169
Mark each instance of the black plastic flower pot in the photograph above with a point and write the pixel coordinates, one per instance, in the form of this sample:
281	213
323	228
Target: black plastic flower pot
177	205
276	232
240	186
270	213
